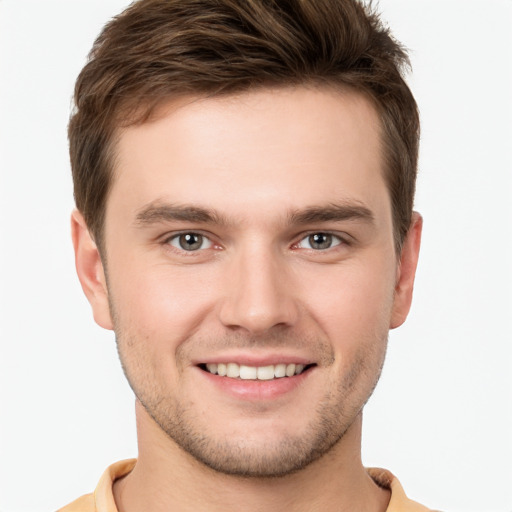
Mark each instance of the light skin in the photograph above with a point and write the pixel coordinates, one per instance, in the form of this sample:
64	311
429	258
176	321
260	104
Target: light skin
257	230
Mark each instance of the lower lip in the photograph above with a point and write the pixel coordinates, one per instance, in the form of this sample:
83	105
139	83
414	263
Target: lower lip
257	390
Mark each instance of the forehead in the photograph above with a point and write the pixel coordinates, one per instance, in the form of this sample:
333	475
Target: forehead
288	147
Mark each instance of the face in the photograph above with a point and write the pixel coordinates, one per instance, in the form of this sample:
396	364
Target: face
252	277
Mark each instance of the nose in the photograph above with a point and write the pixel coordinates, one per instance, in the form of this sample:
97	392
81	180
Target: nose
260	293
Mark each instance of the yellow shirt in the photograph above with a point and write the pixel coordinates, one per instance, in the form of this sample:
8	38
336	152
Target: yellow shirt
102	500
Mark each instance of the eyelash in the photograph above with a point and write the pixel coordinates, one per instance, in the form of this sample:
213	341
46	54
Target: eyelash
335	238
332	237
176	238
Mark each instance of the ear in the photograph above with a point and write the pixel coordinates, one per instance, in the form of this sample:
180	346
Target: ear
90	270
406	272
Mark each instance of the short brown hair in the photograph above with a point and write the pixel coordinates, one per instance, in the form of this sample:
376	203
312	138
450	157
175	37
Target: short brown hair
159	49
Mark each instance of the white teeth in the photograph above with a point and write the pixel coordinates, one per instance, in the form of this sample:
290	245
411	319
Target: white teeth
233	370
265	372
269	372
248	372
212	367
280	370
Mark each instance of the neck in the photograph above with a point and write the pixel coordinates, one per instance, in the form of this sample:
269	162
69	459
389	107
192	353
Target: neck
165	477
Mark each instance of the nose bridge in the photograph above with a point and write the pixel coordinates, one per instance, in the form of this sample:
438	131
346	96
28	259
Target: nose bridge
259	294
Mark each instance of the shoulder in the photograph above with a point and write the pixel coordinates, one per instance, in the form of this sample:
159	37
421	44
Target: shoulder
399	501
102	500
83	504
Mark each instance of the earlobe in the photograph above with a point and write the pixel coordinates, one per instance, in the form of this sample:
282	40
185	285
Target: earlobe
407	272
90	270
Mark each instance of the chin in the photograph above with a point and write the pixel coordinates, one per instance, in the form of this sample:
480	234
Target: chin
268	451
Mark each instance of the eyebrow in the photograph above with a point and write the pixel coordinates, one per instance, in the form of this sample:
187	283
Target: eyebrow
157	212
332	212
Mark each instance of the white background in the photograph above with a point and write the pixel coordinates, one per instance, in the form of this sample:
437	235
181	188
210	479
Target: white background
441	418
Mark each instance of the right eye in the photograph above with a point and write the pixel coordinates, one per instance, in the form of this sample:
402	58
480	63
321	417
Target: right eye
190	242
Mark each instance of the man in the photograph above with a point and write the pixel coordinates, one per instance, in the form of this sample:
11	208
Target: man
244	176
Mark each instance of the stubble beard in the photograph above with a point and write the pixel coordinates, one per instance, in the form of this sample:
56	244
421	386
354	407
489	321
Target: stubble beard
241	456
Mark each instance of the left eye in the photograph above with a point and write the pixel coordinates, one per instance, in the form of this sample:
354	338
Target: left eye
190	242
319	241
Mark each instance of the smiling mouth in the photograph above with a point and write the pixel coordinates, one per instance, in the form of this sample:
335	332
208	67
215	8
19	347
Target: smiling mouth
243	372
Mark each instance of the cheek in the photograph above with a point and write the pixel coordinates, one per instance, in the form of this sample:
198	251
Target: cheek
158	295
156	308
354	305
